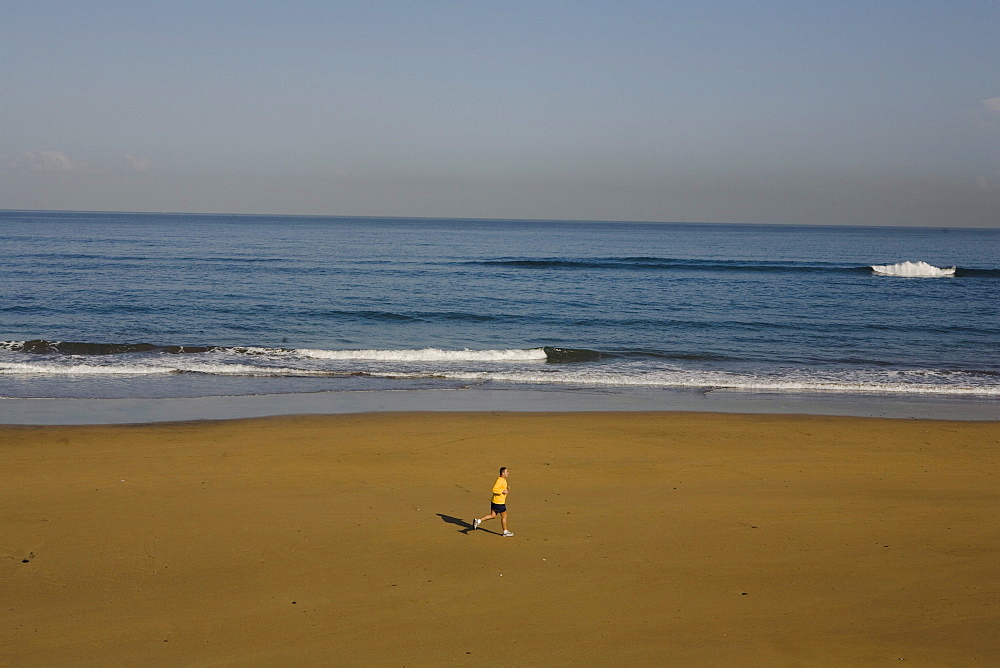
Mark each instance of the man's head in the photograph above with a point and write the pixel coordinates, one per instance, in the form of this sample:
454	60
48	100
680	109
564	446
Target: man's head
503	471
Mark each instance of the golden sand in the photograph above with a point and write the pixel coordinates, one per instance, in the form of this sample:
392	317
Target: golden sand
645	539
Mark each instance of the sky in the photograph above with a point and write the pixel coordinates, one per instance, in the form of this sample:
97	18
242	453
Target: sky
852	112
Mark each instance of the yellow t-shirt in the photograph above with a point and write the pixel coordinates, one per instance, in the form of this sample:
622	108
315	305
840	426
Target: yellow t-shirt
499	487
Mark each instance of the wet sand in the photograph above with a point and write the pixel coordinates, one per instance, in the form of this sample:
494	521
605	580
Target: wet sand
640	538
133	410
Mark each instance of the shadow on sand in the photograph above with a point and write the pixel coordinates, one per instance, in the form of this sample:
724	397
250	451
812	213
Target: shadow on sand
465	524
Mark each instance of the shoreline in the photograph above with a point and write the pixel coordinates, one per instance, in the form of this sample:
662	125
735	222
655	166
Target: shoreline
81	411
678	538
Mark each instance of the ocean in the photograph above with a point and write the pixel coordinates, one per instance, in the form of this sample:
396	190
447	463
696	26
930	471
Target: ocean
124	305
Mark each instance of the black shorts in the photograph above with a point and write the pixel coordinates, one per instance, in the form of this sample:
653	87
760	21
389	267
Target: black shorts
498	507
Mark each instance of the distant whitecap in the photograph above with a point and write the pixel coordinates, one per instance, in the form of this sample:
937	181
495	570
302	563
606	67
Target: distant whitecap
912	270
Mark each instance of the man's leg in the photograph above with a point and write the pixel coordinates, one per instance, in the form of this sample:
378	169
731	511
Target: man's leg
503	520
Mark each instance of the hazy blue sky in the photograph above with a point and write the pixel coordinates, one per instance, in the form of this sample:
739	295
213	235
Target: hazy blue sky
853	112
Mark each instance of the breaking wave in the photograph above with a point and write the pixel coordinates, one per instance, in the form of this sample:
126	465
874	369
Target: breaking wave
78	348
41	347
551	366
430	355
912	270
420	355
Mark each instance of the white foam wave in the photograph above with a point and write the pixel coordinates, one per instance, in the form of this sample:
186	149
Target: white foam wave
246	370
83	369
429	355
725	381
406	367
18	368
912	270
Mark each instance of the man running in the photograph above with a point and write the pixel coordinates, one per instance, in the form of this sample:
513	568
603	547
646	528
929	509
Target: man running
498	504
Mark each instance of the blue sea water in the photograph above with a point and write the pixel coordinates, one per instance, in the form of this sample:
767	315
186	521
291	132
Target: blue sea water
176	305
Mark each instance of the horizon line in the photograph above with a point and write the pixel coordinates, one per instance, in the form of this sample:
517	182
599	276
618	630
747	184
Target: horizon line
500	220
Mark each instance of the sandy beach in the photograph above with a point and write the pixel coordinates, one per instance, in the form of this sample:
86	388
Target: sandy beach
640	538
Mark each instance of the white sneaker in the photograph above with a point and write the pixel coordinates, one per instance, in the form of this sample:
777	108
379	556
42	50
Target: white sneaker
475	524
508	533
